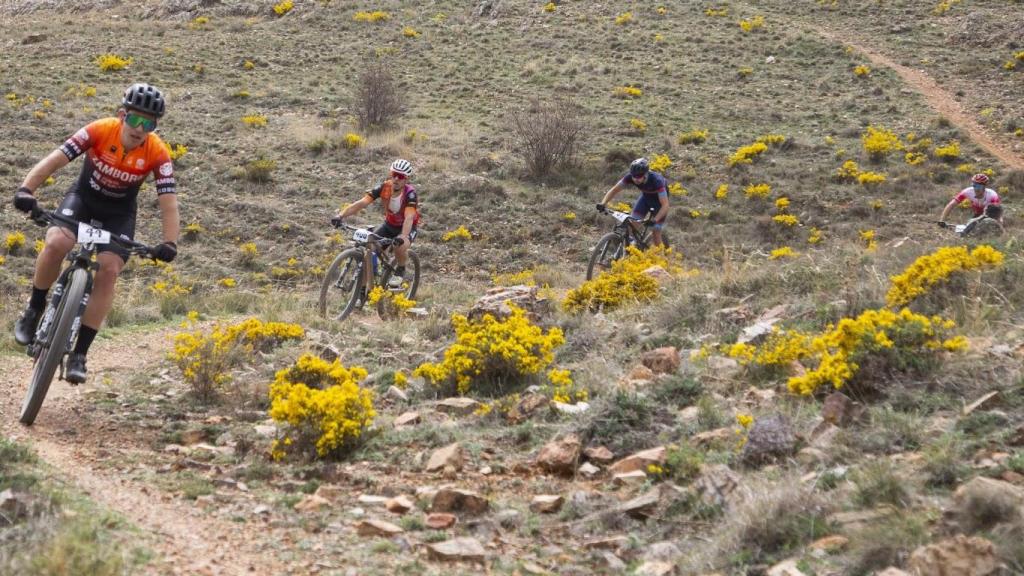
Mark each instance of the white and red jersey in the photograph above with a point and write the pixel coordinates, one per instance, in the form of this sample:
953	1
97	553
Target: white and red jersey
977	204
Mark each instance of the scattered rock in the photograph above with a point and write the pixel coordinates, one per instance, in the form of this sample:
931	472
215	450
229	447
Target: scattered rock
640	373
440	520
496	302
312	503
711	437
785	568
572	409
634	478
655	569
397	393
331	492
758	396
824	435
509	519
261	510
560	456
811	456
641	506
723	367
757	331
369	500
454	500
838	409
599	454
609	543
450	455
526	407
660	275
457	549
989	494
716	484
614	563
662	552
407	419
960	555
893	571
832	543
639	460
856	519
588	470
769	438
265	430
662	360
460	406
193	436
546	504
372	527
398	505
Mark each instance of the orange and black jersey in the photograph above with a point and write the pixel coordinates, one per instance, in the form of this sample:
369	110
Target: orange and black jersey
110	173
396	201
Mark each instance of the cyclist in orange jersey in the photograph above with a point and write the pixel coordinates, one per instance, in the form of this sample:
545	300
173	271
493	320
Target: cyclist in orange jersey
120	153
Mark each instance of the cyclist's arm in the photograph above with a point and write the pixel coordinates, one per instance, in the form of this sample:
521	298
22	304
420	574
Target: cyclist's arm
611	194
663	211
44	169
945	211
169	221
355	207
410	217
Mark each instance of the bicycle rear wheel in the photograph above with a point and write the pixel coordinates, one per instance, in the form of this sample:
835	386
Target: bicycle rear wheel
412	266
608	249
56	345
341	290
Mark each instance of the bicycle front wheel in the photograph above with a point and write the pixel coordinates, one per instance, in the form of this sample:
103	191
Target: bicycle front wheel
342	288
608	249
56	345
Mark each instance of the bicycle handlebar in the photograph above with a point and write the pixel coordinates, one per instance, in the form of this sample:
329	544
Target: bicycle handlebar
383	241
43	218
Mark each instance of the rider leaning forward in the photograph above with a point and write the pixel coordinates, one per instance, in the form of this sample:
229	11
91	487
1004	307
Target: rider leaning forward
119	153
401	214
984	201
653	194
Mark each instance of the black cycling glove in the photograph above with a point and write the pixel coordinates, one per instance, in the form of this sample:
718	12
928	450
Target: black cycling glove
337	221
600	208
24	200
165	252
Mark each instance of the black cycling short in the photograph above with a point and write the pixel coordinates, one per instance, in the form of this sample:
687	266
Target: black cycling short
117	222
388	231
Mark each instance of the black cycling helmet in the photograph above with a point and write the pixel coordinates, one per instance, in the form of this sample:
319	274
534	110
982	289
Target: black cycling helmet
144	98
639	167
994	211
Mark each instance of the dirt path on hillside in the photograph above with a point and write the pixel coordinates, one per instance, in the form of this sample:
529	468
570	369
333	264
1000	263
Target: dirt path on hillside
76	443
937	98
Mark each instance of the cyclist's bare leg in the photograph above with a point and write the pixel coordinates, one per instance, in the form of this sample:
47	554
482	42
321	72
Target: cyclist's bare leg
656	236
102	298
402	254
59	241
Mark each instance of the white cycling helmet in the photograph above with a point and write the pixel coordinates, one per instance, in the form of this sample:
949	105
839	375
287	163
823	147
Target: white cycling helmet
403	167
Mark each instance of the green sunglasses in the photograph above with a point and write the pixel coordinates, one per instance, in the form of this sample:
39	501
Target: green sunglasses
137	121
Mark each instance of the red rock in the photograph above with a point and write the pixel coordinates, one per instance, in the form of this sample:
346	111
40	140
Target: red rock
440	520
639	461
560	456
662	360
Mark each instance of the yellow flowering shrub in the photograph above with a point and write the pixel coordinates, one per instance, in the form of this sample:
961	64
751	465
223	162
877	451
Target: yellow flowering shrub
815	236
716	12
624	18
524	278
747	154
375	16
410	32
870	178
39	245
722	192
944	6
695	136
460	233
550	7
752	24
352	141
784	252
625	282
914	158
848	171
389	304
254	120
205	360
112	62
931	269
323	407
227	282
660	162
879	142
284	7
868	236
493	353
758	190
564	390
861	70
676	189
782	204
14	241
951	151
247	253
787	220
569	216
628	92
638	125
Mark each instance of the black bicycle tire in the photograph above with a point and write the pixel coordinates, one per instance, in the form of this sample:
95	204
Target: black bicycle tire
355	254
50	356
599	248
414	262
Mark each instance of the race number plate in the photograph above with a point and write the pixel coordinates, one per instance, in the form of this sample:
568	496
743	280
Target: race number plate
620	216
87	234
361	235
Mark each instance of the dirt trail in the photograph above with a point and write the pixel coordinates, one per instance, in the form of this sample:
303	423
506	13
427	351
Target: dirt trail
938	99
188	541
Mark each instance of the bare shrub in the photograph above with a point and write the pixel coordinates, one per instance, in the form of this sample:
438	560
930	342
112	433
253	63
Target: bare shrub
378	99
548	135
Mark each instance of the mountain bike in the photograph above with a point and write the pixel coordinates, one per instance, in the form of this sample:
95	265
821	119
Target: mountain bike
628	231
368	263
981	226
62	317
